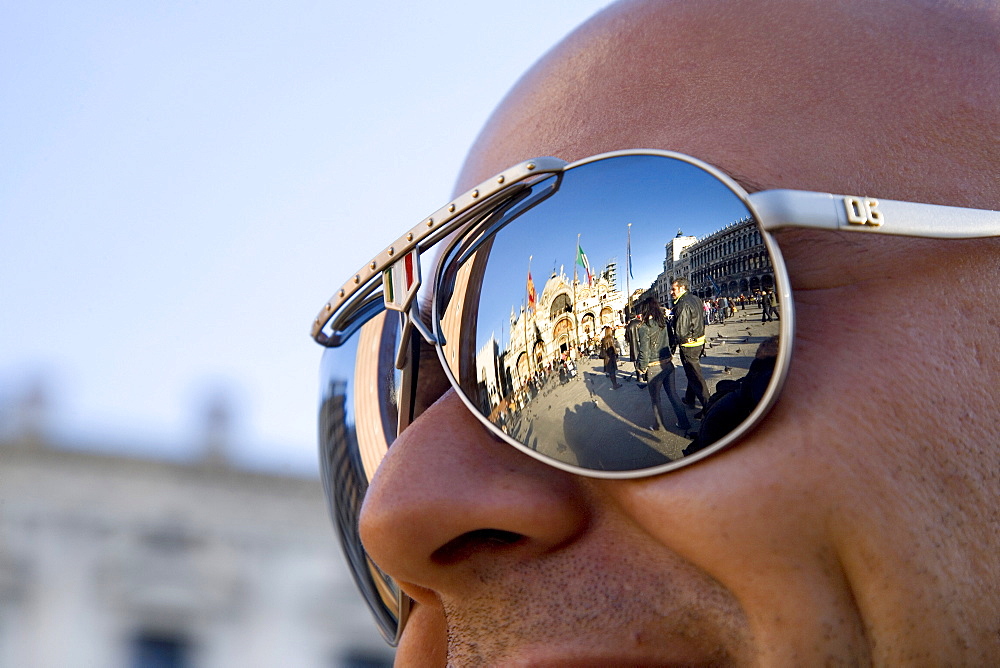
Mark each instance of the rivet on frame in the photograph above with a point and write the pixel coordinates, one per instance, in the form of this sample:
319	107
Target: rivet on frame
357	278
329	307
430	222
391	251
451	208
409	237
500	179
342	293
373	265
475	194
530	166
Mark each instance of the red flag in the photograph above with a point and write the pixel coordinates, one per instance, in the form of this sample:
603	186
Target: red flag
531	294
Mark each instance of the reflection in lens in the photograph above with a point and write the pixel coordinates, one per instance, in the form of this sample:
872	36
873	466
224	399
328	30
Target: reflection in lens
357	424
539	320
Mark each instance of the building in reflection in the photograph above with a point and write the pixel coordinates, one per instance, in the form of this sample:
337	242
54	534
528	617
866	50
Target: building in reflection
730	262
610	272
494	380
675	263
569	316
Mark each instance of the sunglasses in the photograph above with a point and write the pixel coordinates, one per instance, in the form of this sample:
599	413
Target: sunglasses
532	332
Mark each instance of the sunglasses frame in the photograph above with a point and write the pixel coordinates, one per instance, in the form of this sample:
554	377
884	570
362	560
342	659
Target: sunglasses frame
359	297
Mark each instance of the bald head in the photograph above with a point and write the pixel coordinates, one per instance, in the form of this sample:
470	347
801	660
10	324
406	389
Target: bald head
807	94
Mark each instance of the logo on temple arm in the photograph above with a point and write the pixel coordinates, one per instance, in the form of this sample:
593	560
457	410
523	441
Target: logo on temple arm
862	211
400	281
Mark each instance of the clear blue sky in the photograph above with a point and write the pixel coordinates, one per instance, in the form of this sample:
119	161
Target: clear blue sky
184	184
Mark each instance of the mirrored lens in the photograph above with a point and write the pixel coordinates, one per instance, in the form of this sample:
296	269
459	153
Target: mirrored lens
358	421
564	329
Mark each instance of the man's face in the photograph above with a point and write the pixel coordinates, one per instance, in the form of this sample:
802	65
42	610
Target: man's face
676	291
859	522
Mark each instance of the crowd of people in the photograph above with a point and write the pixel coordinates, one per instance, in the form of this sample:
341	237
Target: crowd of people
721	308
645	348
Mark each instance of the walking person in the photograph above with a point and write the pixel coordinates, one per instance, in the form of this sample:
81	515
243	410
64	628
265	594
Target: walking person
609	353
656	348
689	328
632	337
769	312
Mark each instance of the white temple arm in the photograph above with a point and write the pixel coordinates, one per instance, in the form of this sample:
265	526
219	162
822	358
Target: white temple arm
799	208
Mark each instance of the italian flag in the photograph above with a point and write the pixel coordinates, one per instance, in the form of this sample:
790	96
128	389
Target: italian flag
581	259
400	281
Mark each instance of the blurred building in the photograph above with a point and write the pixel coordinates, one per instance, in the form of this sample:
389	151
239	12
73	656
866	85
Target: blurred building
109	560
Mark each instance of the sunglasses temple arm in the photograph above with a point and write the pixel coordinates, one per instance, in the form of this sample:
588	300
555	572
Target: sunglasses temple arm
778	209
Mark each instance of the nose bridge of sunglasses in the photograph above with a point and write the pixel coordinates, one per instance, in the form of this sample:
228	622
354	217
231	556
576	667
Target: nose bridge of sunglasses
406	345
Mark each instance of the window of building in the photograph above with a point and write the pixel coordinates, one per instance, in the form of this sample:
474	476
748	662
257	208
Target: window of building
358	658
155	650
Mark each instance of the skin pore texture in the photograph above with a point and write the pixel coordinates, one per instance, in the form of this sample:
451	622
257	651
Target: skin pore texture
858	523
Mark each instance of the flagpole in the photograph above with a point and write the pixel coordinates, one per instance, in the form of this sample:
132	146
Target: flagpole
527	305
628	270
576	318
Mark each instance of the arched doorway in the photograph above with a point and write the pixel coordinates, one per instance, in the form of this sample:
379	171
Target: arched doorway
589	326
561	334
523	370
539	351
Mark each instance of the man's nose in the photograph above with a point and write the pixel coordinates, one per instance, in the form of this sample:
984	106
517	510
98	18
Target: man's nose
450	494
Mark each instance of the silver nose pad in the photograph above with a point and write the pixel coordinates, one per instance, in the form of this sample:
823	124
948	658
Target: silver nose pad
410	321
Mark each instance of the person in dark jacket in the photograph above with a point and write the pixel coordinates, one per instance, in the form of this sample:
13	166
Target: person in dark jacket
769	311
632	336
689	328
656	347
609	353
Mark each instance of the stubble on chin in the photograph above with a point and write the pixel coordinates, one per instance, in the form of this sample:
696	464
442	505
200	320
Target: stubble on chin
561	607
